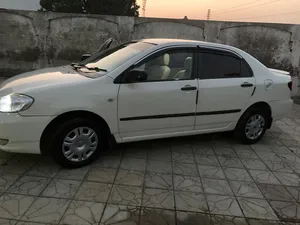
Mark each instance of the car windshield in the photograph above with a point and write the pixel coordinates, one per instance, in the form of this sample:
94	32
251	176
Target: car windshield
110	59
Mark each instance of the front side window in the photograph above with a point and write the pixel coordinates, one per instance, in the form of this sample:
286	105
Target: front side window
168	66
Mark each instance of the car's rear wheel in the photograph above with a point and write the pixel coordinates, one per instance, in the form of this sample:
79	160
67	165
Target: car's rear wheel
252	126
77	143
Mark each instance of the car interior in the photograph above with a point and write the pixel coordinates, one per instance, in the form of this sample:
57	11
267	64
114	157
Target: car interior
174	66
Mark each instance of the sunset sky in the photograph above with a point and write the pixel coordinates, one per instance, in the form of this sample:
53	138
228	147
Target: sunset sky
277	11
197	9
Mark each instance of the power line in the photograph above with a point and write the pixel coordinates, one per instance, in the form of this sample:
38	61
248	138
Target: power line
250	7
249	3
278	14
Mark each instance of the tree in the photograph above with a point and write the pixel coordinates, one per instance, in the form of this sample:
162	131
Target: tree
106	7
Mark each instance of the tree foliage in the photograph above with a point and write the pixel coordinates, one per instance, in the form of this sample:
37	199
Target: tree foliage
105	7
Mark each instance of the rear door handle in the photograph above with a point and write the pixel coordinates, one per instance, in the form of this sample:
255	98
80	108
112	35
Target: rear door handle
246	84
188	88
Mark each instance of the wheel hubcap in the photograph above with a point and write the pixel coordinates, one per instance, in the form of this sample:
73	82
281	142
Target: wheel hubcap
80	144
255	126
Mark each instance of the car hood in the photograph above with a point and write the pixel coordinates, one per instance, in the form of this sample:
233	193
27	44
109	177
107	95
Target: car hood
41	78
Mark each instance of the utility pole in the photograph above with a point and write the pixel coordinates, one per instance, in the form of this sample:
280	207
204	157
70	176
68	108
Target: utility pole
208	14
144	7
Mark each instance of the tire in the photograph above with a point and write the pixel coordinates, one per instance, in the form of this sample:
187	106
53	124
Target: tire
242	130
84	136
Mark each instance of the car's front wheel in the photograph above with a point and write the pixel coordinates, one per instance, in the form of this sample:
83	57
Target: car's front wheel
252	126
77	143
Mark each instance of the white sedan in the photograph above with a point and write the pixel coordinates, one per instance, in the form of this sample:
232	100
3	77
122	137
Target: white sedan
140	90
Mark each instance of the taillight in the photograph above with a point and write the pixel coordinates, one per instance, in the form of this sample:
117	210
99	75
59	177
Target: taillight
290	85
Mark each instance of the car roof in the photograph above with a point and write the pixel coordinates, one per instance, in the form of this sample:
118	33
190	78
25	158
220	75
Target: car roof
163	41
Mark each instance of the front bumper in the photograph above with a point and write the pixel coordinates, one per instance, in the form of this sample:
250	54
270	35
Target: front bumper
23	133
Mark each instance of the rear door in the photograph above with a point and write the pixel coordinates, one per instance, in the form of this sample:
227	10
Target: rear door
225	86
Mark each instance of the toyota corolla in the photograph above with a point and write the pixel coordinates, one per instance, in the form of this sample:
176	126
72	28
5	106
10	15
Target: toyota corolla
140	90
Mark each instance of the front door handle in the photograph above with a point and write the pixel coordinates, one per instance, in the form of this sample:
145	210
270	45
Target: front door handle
188	88
246	84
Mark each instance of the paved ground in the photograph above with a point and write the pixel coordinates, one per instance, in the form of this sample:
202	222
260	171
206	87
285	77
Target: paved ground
201	180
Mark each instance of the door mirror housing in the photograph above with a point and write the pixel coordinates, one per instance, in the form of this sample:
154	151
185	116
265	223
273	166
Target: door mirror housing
136	75
85	56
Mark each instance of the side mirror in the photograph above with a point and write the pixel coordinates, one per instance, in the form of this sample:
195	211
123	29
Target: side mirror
136	75
85	56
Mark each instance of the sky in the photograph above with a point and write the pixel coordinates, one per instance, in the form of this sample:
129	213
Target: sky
274	11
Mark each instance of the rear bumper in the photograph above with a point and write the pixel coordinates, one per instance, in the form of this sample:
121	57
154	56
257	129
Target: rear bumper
22	133
281	109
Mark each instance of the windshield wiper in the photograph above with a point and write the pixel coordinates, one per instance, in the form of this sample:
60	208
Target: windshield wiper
78	66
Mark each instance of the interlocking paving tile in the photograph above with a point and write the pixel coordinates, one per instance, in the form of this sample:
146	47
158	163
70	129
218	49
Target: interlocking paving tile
14	206
44	168
16	165
120	215
190	201
158	198
280	149
185	169
133	164
214	172
213	186
61	188
257	208
91	191
209	160
159	167
108	162
228	220
6	180
288	178
158	180
74	174
181	147
130	177
192	218
157	216
8	222
136	152
187	183
263	222
254	164
181	157
203	150
29	185
98	174
245	189
46	210
295	192
126	195
268	156
230	162
223	205
246	154
83	213
163	154
275	192
278	166
225	152
237	174
266	177
286	211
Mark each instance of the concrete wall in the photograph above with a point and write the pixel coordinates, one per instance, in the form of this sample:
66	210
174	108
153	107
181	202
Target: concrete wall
32	40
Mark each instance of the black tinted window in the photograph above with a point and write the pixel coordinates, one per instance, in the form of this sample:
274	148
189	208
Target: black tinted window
215	65
246	71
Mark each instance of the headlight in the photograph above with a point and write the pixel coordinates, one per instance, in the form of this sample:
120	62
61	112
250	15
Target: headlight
15	103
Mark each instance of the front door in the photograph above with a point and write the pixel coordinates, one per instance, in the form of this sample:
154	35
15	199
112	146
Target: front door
226	84
165	102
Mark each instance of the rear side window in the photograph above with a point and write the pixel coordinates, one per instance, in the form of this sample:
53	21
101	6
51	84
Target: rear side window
219	65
